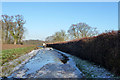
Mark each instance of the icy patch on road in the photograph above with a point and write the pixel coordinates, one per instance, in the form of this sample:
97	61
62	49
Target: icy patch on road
89	69
58	71
71	61
43	57
47	64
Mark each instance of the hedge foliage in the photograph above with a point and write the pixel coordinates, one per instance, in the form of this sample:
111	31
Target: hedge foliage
103	49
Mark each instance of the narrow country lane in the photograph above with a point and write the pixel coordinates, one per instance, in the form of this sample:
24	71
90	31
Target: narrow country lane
47	64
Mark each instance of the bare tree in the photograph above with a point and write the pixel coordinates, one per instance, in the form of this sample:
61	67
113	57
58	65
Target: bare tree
58	36
49	39
13	30
17	29
0	31
81	30
6	20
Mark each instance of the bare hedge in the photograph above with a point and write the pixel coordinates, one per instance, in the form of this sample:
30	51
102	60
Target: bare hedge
103	49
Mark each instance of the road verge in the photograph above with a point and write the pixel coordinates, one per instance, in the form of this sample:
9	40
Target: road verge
14	65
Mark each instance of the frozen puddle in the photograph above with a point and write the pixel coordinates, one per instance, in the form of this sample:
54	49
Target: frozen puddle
47	64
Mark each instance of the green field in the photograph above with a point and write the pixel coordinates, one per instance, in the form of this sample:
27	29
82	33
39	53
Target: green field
11	54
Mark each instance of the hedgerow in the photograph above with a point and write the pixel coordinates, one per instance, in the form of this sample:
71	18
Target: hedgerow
103	49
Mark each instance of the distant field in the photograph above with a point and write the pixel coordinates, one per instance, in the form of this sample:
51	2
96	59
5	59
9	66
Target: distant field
12	46
11	52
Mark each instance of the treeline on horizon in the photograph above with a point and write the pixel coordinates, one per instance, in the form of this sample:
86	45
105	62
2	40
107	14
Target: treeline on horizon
13	31
75	31
33	42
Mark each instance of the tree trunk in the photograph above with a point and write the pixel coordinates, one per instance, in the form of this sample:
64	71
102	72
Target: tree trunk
15	42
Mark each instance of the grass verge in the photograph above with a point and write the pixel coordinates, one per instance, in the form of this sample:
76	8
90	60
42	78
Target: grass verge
11	54
12	59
